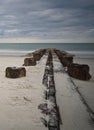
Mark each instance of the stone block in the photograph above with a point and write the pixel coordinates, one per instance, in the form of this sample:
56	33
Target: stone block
15	72
79	71
29	62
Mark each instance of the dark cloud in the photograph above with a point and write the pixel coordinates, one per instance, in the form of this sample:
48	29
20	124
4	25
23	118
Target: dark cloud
47	19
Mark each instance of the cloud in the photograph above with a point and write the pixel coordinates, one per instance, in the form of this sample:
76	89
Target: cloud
47	19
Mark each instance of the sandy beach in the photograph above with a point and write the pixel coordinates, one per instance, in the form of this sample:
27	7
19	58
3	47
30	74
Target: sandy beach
20	97
74	113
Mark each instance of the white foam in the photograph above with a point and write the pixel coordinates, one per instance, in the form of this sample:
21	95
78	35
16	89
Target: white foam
14	52
83	54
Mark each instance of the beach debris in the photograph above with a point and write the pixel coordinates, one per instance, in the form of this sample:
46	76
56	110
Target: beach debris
29	62
79	71
15	72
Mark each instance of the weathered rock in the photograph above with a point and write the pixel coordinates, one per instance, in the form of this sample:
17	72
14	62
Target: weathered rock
53	122
38	54
52	99
79	71
65	58
29	62
43	106
51	91
15	72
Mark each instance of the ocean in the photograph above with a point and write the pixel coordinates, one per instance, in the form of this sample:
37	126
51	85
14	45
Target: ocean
79	49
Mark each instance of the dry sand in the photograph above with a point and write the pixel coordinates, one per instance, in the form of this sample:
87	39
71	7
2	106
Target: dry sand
87	87
19	98
74	113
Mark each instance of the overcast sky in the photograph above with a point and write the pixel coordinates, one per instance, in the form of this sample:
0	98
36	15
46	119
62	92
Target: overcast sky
47	20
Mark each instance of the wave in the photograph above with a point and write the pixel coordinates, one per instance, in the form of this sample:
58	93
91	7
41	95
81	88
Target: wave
80	54
14	52
83	54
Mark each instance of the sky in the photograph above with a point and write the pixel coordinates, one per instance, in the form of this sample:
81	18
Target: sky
46	21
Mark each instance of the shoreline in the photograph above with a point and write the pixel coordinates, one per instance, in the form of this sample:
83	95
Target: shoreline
78	54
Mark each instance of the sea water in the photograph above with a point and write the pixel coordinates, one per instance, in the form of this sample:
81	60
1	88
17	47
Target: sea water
79	49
